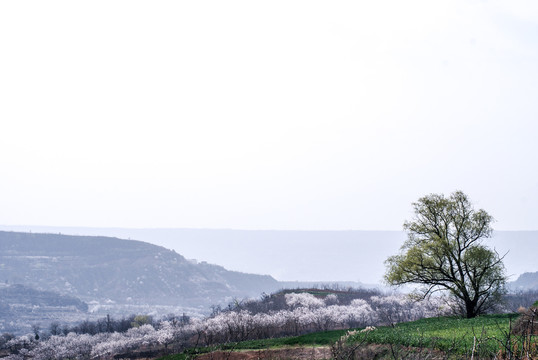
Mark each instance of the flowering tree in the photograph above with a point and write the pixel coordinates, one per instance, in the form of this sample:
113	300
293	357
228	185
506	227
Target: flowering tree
303	300
444	251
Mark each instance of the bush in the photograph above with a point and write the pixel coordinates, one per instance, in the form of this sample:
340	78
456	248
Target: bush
527	323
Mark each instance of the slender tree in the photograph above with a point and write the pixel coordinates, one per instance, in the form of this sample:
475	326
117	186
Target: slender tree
444	251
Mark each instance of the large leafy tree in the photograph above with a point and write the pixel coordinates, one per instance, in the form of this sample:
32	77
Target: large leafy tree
444	251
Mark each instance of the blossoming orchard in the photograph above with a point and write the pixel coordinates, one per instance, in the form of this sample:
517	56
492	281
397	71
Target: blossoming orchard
293	313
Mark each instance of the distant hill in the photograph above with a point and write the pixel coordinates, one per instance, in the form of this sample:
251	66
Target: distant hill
526	281
122	271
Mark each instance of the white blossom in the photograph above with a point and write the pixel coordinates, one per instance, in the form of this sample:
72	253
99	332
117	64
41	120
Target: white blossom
303	299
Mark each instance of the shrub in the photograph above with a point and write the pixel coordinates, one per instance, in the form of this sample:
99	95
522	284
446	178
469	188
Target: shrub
527	323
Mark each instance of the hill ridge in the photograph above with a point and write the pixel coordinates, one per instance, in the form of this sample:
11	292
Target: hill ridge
124	271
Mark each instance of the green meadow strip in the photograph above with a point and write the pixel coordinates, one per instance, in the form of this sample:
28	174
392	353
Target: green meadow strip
449	334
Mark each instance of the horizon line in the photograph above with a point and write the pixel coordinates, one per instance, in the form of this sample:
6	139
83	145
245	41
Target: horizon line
227	229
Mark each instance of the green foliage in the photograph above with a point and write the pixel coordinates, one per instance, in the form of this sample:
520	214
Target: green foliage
535	303
444	252
455	335
140	320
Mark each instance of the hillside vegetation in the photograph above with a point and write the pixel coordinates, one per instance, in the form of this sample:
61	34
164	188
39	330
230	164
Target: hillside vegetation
97	268
21	307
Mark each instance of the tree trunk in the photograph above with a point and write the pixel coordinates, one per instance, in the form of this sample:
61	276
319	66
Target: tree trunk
470	309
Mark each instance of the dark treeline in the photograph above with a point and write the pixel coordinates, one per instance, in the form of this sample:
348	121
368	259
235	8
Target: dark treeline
104	325
108	324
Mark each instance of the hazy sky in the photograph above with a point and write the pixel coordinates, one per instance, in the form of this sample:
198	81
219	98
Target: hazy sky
265	115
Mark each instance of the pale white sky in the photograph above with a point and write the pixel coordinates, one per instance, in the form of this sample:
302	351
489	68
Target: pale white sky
265	115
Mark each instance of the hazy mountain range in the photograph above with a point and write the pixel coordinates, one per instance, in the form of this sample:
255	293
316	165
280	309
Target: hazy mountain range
526	281
319	256
122	271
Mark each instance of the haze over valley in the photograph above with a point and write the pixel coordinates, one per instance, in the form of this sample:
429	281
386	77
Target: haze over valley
315	256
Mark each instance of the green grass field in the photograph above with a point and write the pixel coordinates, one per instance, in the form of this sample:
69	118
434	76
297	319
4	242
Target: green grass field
314	339
450	334
454	335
